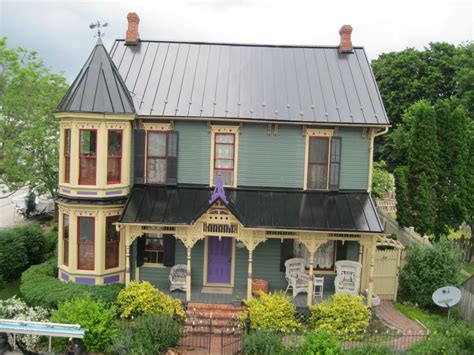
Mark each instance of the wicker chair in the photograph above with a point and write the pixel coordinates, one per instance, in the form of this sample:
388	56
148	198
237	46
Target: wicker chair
348	277
178	278
295	276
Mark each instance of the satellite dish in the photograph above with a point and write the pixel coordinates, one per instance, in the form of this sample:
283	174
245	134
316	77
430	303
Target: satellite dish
447	296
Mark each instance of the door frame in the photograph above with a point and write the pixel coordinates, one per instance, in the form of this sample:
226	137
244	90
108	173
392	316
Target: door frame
232	264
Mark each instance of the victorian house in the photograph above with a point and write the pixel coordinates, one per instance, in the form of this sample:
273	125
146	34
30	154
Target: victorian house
227	159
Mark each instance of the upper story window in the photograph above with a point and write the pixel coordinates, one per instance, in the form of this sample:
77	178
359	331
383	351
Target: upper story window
85	243
67	155
87	156
112	243
114	156
224	157
66	239
156	157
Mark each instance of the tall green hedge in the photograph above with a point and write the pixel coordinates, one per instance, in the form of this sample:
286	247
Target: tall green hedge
40	286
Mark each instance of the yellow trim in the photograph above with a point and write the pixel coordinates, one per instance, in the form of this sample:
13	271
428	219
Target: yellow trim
93	116
154	265
232	266
311	132
224	129
373	135
157	126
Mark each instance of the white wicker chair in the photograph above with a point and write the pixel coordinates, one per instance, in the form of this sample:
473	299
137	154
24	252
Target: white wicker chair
348	277
178	278
296	276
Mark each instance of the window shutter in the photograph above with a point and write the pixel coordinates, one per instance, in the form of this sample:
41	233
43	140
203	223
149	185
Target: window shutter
169	246
172	158
335	164
140	250
139	156
286	252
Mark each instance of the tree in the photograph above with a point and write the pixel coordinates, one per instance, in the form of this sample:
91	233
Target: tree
381	180
402	196
29	132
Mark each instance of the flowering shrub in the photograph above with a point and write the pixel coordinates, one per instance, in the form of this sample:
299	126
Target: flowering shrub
14	308
142	298
342	314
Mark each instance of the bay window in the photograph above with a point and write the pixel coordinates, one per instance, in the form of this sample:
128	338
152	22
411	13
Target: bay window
154	249
324	258
156	157
85	243
87	156
318	163
112	240
66	239
224	156
114	156
67	155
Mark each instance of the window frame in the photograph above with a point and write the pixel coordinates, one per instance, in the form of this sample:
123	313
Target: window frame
115	242
66	240
154	236
88	156
309	163
147	156
233	144
119	157
67	155
79	243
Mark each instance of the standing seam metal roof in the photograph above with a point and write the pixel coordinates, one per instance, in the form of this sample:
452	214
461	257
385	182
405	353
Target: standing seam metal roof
285	83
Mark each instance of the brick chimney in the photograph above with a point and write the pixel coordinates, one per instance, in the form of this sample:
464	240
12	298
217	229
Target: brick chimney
132	37
346	44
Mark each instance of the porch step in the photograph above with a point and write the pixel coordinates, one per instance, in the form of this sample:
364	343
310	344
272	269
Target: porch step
203	318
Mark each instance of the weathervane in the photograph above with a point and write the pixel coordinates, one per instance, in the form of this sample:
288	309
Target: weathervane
98	25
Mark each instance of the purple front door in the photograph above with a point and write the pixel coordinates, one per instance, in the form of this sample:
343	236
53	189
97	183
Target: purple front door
219	259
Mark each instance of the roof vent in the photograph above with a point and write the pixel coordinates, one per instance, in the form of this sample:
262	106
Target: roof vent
132	36
346	44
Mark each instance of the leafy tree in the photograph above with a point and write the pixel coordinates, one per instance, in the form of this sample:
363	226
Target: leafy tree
402	196
381	180
29	93
422	166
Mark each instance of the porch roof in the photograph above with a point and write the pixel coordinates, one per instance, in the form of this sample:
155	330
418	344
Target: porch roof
269	209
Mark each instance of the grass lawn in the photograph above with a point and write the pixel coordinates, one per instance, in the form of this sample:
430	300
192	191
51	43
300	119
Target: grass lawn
468	267
11	289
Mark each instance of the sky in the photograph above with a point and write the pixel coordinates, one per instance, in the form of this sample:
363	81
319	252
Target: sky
59	30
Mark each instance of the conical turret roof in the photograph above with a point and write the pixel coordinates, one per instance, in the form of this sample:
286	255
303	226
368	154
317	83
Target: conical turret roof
98	88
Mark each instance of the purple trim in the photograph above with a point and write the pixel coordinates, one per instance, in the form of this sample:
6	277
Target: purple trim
66	191
85	280
218	191
89	193
64	276
110	279
116	192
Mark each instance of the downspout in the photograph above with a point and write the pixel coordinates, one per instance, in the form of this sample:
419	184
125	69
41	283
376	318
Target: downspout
373	134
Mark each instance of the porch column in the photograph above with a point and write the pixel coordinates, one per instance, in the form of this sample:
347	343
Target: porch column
127	264
310	282
371	271
188	274
249	275
312	244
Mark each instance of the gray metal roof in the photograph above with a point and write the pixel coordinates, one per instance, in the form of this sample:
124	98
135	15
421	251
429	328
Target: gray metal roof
284	83
98	88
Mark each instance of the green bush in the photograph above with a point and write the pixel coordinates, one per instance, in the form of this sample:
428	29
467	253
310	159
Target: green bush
369	350
97	317
149	334
316	343
273	311
341	315
2	283
51	238
40	286
141	298
262	342
426	269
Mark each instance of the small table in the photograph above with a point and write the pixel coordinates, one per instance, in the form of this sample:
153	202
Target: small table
259	285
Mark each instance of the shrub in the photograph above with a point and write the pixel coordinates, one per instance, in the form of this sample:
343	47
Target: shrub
262	342
14	308
273	311
148	334
342	314
316	343
41	286
2	283
95	316
142	298
51	238
426	269
369	350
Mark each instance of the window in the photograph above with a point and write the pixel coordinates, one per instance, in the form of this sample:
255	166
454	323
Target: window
154	249
324	258
112	243
66	239
114	156
156	157
318	163
67	155
85	243
224	155
87	156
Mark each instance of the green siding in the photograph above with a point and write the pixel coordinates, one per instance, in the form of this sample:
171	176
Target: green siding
194	152
354	159
274	161
352	252
266	264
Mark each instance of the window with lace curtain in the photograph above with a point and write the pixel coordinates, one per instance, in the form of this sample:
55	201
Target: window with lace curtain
224	156
324	258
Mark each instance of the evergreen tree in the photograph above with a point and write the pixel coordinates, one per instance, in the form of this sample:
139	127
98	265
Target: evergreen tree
402	195
423	155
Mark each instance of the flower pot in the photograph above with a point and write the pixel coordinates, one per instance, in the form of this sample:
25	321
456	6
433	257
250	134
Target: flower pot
259	285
